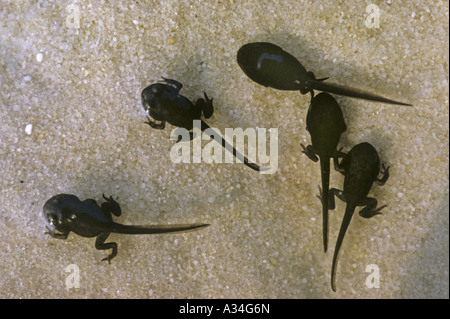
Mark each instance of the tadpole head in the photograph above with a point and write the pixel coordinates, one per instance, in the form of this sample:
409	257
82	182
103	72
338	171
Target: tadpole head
147	96
52	212
153	92
55	208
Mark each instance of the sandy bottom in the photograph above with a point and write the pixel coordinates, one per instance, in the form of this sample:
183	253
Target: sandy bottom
72	122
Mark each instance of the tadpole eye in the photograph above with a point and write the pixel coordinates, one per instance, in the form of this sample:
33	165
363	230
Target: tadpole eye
145	105
51	220
304	89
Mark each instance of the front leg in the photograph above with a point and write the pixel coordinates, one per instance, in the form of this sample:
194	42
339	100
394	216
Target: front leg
385	172
101	245
155	125
338	154
371	208
111	206
309	151
182	139
52	233
174	83
340	167
331	194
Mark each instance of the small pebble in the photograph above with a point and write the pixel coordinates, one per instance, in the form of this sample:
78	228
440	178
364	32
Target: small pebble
39	57
28	129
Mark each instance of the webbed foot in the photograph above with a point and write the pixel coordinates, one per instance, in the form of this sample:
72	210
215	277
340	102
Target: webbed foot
371	208
205	105
111	206
54	234
101	245
155	125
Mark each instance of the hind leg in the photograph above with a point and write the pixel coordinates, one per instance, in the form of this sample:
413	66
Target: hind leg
101	245
111	206
371	208
205	105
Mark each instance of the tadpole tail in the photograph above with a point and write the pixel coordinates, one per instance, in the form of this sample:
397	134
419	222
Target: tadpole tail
227	146
325	172
349	210
351	92
155	229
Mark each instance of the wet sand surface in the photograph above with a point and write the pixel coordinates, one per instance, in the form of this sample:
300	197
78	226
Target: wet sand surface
72	122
